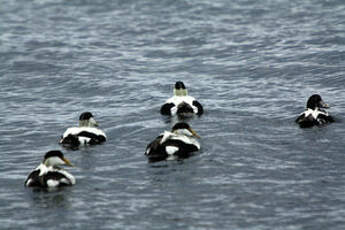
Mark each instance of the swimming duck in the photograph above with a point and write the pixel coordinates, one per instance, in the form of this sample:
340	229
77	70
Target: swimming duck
315	113
181	103
48	174
86	133
178	143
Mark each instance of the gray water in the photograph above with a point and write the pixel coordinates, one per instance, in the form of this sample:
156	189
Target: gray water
252	64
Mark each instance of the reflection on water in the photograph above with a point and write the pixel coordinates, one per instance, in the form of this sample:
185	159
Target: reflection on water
50	198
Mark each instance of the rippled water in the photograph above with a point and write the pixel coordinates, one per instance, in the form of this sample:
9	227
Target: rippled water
252	64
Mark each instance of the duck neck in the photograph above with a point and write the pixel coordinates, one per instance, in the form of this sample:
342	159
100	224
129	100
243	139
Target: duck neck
180	92
84	123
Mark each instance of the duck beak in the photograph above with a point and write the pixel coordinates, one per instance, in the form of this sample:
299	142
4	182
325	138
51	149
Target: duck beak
93	122
67	162
324	105
194	133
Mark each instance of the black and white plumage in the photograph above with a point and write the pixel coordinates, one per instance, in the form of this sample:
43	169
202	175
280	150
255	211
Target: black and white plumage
86	134
48	174
181	103
178	143
315	114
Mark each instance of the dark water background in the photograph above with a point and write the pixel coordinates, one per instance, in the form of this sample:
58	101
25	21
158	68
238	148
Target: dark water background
252	64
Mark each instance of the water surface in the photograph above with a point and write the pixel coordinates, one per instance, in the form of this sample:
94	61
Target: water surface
251	64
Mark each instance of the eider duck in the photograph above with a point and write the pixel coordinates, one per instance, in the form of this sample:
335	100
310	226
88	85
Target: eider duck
86	133
48	174
314	114
178	143
181	103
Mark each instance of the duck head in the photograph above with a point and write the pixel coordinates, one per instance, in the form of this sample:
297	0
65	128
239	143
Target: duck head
180	89
183	128
55	158
86	120
315	101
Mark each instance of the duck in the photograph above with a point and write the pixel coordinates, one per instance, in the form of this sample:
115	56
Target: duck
181	103
179	143
315	113
87	133
48	174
